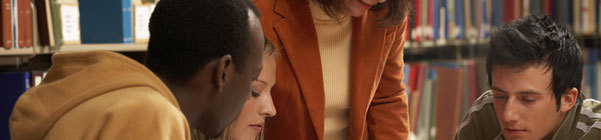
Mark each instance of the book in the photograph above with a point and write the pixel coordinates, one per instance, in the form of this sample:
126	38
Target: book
142	17
57	35
449	91
459	19
107	21
7	28
13	84
69	15
577	25
42	22
434	17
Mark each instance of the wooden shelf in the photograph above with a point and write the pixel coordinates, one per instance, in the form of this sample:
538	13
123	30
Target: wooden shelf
444	43
103	47
24	51
73	48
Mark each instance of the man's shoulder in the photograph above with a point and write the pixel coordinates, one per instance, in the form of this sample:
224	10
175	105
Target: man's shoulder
482	107
125	113
485	98
131	101
480	121
590	114
138	98
592	104
588	119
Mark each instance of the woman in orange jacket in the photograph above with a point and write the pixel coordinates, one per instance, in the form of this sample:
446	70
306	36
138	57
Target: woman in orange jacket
340	68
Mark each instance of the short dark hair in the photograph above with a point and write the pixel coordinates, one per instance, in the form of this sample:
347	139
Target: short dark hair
396	10
534	41
185	35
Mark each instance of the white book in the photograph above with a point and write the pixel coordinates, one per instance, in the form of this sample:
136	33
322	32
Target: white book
141	21
70	24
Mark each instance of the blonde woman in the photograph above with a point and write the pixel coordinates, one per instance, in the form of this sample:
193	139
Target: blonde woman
249	124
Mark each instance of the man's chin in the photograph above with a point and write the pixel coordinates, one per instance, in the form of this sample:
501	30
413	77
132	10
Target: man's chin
514	135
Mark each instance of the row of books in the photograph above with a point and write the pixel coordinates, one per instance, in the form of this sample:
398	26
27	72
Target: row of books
12	85
440	93
27	23
465	19
591	79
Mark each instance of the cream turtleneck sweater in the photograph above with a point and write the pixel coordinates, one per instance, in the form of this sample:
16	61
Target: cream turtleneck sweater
334	38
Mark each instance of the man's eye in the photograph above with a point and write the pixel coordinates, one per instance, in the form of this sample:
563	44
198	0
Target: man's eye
500	96
529	100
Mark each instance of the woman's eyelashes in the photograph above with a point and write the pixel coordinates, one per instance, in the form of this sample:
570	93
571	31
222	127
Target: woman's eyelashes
255	94
257	87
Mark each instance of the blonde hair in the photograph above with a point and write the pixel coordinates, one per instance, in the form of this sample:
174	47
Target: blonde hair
226	135
269	51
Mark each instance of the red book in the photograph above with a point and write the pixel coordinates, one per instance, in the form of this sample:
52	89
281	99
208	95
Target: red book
416	20
430	18
473	86
28	29
508	10
7	32
549	7
519	7
416	96
449	91
21	23
413	77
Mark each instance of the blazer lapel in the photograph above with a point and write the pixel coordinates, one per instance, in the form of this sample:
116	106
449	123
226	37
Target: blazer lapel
299	42
366	64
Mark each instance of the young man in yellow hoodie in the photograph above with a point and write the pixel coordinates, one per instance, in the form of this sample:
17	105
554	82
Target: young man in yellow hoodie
202	56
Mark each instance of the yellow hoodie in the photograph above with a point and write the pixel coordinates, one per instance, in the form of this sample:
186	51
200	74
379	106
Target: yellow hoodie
98	95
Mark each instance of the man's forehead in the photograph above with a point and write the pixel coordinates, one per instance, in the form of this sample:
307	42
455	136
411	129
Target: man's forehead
529	80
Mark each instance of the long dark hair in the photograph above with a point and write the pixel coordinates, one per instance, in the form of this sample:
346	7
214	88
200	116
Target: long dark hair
396	10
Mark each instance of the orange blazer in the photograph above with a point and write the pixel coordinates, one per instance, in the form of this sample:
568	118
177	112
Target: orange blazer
378	108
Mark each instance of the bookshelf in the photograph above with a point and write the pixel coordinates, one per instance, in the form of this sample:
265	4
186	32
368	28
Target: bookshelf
444	50
31	51
103	47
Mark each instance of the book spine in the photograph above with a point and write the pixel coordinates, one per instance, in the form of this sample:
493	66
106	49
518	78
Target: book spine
127	21
7	35
28	29
21	19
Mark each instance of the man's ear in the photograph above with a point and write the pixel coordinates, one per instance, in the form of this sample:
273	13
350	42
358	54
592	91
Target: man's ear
568	100
221	71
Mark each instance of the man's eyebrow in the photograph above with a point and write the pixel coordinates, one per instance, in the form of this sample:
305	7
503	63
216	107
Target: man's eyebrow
497	89
529	92
526	92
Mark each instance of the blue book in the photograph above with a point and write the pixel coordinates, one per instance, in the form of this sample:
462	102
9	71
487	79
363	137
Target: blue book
484	20
459	18
436	18
12	85
498	12
406	73
106	21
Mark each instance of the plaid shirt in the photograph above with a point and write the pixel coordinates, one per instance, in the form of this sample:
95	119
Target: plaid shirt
481	123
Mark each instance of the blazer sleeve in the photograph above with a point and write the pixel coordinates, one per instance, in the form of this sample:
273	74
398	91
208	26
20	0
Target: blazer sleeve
387	116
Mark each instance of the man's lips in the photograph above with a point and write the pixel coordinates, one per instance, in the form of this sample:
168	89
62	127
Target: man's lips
514	131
